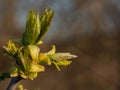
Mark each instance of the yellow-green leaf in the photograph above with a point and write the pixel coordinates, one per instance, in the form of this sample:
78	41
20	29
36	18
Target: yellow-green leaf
61	63
32	75
53	50
63	56
45	20
11	49
34	67
44	59
32	29
34	51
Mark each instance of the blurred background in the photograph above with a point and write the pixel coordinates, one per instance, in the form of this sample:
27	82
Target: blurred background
88	28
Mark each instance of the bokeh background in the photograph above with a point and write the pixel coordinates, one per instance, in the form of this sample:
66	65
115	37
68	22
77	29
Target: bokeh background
88	28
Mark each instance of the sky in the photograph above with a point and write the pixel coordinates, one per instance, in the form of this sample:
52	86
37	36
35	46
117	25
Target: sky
67	17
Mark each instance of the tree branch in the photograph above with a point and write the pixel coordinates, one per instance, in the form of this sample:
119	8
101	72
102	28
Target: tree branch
13	83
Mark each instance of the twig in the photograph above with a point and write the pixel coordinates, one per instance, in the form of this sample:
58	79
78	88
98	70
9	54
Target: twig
13	83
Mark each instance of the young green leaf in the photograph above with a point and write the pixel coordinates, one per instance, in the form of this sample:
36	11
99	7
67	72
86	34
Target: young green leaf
61	63
32	29
32	75
34	67
61	59
33	51
11	49
53	50
45	20
44	59
36	26
23	60
62	56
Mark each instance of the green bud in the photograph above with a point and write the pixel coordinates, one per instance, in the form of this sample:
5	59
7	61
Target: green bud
29	60
45	20
36	27
32	29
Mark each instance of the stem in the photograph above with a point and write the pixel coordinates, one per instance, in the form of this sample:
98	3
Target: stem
13	83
